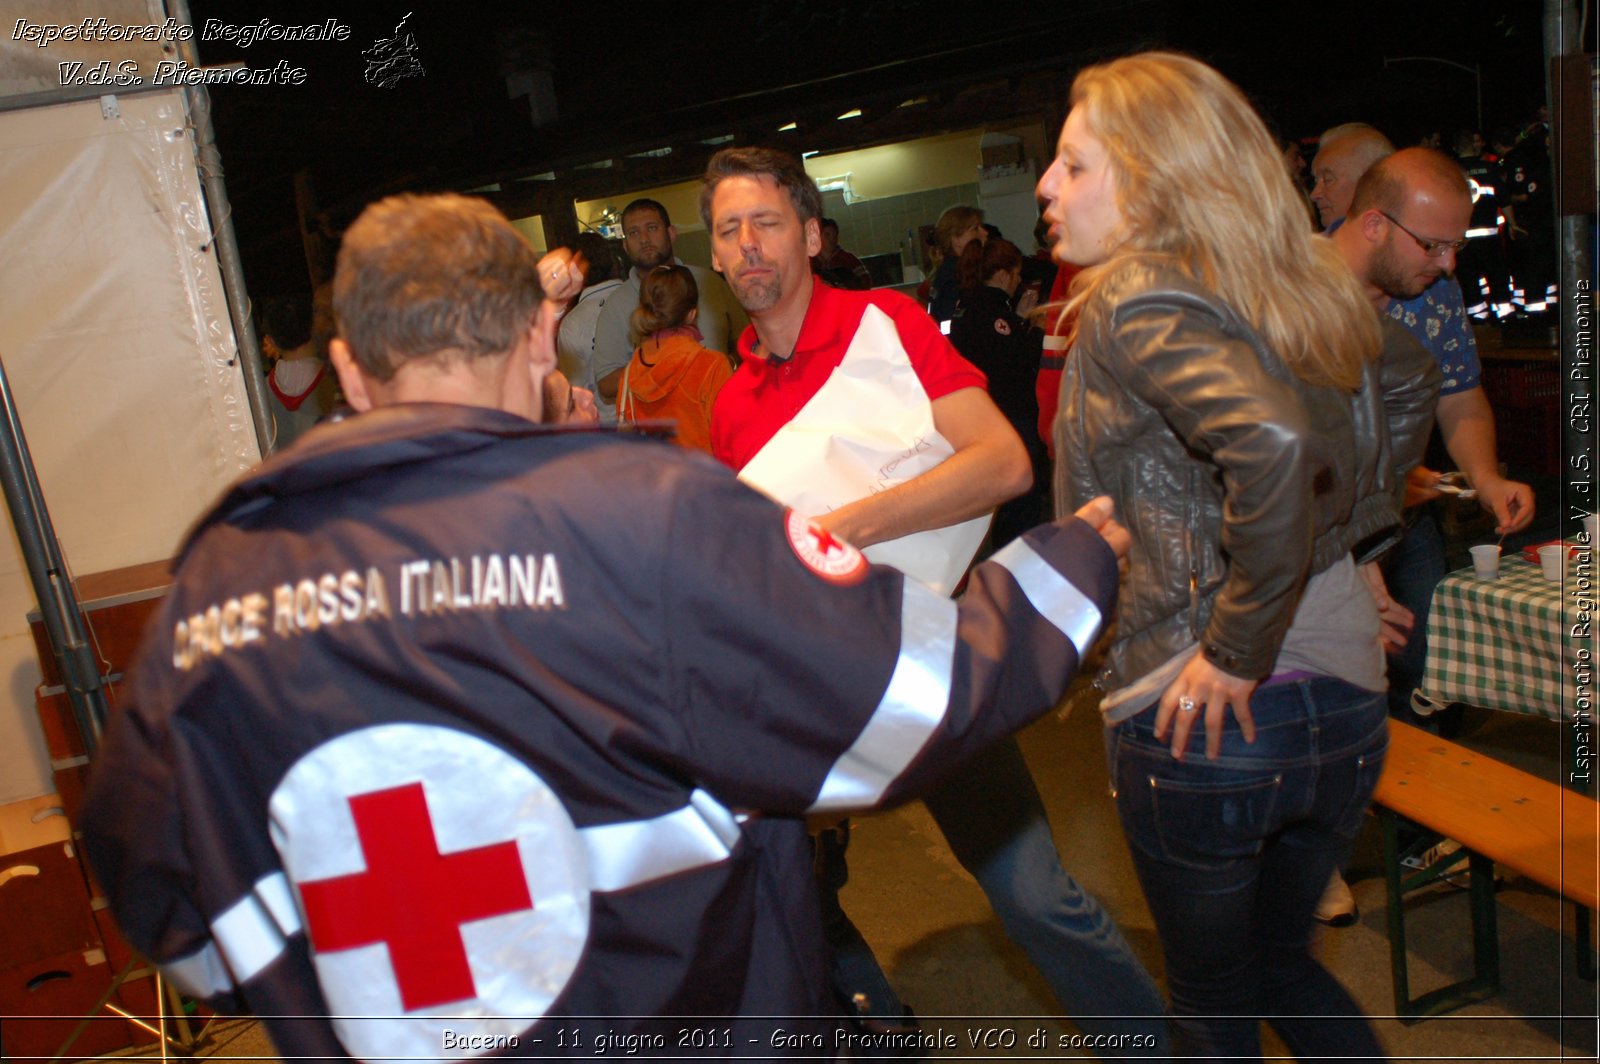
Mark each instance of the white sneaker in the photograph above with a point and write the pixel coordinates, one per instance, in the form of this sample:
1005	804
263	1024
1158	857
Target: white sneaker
1338	906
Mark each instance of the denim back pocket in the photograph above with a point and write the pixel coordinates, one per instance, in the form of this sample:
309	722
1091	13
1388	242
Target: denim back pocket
1367	767
1209	824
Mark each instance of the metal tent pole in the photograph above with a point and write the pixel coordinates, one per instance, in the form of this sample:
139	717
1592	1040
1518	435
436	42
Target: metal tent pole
52	585
221	212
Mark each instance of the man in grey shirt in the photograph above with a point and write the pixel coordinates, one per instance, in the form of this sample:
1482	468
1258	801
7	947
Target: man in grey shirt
647	235
575	341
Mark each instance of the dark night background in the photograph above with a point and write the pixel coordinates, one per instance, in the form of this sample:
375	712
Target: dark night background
693	69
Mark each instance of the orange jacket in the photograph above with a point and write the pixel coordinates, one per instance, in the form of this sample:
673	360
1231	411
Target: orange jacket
673	376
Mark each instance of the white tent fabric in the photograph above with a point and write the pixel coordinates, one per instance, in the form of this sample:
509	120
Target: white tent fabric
40	35
115	335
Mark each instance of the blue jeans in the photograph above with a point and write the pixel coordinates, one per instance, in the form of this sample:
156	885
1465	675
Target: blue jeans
994	821
1412	570
1233	855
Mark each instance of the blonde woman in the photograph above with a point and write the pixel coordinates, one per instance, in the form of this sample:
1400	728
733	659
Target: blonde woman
1224	389
957	227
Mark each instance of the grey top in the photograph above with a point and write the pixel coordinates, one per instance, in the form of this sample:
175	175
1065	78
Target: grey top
575	341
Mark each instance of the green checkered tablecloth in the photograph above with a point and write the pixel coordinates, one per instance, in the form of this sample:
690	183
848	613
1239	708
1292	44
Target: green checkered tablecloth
1498	643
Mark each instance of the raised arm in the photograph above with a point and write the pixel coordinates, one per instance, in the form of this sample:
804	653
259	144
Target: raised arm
868	685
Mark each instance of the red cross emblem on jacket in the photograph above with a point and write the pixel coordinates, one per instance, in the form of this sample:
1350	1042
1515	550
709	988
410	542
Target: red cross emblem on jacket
822	552
412	898
437	876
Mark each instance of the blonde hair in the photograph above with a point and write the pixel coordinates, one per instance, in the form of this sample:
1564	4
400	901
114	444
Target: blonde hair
953	221
1202	189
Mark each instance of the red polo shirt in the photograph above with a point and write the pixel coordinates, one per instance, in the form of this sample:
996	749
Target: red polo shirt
762	396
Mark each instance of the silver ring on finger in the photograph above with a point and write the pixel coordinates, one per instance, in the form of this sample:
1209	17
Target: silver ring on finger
1186	704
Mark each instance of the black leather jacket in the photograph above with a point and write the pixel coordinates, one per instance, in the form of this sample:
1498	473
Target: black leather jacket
1237	480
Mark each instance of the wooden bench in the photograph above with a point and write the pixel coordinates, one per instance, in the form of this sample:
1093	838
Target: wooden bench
1499	814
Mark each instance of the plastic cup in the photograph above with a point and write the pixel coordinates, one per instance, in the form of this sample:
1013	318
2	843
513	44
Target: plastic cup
1553	559
1486	561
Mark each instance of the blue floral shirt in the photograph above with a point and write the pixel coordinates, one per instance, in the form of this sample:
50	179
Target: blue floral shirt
1438	319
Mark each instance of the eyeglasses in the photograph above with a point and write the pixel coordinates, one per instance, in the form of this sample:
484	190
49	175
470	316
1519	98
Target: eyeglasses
1434	249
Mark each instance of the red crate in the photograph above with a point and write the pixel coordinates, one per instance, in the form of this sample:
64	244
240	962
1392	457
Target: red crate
1526	397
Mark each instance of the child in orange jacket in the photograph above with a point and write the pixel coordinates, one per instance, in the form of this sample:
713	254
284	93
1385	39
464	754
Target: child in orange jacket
671	374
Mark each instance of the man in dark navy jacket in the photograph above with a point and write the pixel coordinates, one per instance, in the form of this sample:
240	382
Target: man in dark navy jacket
460	734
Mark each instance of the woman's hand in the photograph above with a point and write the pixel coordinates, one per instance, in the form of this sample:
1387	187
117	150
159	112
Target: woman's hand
561	275
1395	622
1202	688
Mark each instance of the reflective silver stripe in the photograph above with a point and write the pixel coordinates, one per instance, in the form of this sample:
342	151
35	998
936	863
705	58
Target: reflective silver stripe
202	973
1482	231
912	706
278	899
1052	594
1055	343
628	854
252	932
248	935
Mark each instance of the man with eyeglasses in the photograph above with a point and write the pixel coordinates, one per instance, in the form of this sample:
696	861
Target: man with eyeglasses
647	236
1407	219
1392	200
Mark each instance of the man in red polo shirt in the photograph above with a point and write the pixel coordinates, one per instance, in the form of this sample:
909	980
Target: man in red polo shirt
762	211
762	242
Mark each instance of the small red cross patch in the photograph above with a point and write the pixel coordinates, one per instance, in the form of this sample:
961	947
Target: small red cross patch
822	552
824	539
1002	326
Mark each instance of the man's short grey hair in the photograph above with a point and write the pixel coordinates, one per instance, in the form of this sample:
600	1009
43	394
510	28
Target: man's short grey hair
441	276
1364	144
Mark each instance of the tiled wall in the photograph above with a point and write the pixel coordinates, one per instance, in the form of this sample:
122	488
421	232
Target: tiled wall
878	226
